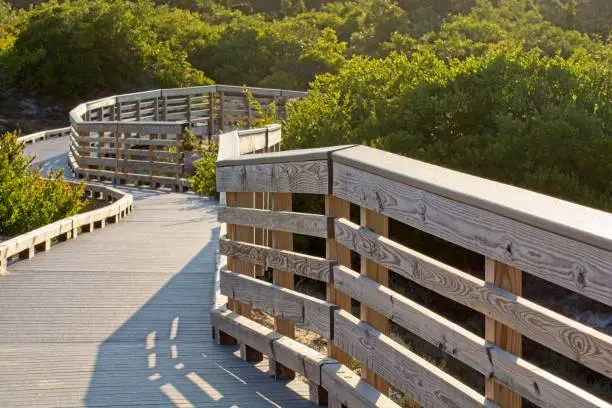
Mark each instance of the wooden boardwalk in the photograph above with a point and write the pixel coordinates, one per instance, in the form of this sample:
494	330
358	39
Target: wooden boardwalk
120	317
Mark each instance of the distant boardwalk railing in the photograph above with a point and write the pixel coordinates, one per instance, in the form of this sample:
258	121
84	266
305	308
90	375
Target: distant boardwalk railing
137	138
517	231
25	246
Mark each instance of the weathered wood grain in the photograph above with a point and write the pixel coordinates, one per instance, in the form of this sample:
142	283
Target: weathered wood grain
300	358
300	223
285	279
348	389
511	280
336	207
305	311
533	383
380	225
566	262
406	371
244	234
245	330
566	336
304	265
296	177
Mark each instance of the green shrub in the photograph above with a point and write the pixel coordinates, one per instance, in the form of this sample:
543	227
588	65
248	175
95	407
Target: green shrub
28	201
84	48
204	180
543	123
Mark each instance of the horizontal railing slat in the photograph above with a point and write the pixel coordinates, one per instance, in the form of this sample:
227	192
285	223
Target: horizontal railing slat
570	263
300	223
306	311
564	335
531	382
406	371
304	265
309	177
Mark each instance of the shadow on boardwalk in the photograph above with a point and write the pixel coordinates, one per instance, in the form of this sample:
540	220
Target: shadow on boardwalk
164	355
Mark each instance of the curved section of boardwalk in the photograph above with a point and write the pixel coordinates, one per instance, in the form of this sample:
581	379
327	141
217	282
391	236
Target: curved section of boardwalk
119	317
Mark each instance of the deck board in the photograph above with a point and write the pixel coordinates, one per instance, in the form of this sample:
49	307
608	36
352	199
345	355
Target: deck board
76	322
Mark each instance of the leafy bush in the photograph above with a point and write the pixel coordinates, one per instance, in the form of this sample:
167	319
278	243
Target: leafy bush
539	122
84	48
204	180
28	201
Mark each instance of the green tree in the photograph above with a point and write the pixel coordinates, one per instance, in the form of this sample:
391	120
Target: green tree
526	119
83	48
28	201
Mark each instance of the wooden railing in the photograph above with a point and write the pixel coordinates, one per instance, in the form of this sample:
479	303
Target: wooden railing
25	246
517	231
137	138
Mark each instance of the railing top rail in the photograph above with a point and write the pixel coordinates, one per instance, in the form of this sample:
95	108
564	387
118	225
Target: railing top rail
571	220
319	153
574	221
77	112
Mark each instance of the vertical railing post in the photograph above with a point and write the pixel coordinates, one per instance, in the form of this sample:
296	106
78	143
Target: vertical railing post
156	109
282	240
379	224
249	114
243	234
221	111
509	279
101	135
116	116
189	111
211	115
339	208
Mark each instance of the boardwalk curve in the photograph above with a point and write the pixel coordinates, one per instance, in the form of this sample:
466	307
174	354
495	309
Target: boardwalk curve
120	317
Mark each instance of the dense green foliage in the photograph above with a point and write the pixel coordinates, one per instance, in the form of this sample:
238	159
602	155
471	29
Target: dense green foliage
87	47
514	90
204	180
28	201
533	121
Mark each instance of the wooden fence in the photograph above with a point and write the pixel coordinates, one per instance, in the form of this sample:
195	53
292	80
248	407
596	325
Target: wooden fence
516	231
137	138
118	205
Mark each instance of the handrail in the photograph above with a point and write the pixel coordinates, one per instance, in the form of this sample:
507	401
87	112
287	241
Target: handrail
515	229
26	245
104	130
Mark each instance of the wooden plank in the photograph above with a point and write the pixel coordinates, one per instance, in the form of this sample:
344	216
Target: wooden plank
347	389
145	166
300	358
244	234
405	370
380	225
129	140
535	384
511	280
260	203
336	207
304	265
570	263
566	336
300	223
244	330
286	304
295	177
